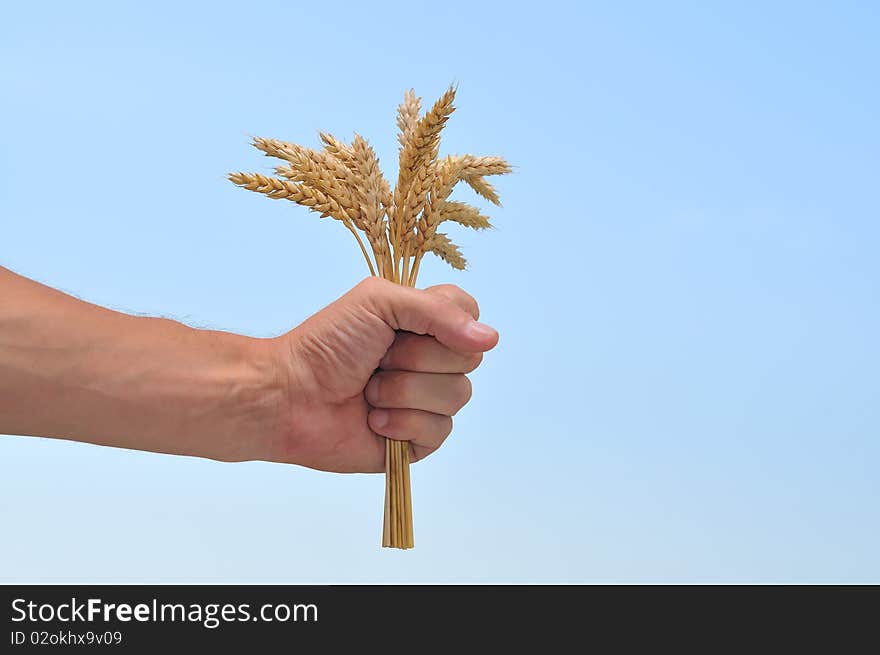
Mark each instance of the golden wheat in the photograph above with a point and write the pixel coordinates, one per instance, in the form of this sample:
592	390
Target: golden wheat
470	166
338	149
408	115
417	155
344	181
319	171
464	214
440	245
483	188
277	148
277	189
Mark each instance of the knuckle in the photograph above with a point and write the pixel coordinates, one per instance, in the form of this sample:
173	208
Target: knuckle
473	361
472	305
371	284
442	303
463	391
443	288
467	302
437	310
445	427
458	297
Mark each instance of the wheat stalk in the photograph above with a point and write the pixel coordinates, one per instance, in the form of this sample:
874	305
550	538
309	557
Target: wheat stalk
344	181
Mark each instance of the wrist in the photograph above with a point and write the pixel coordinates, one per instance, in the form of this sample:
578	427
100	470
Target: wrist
244	408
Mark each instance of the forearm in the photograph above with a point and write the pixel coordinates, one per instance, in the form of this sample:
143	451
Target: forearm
73	370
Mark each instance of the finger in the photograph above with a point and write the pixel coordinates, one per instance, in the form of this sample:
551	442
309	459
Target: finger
441	393
425	431
415	310
415	352
458	296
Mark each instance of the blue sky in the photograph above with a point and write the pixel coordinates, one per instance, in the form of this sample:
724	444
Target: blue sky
684	274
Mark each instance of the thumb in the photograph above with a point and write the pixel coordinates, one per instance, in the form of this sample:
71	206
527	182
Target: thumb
421	312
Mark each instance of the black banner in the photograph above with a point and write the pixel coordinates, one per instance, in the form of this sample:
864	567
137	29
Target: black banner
137	618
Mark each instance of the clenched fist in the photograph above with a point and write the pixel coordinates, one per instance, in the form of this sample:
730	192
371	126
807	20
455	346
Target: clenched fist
382	361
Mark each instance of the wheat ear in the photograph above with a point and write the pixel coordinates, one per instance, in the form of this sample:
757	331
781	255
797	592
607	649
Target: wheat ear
301	194
371	190
464	214
483	188
338	149
407	116
440	245
415	174
277	148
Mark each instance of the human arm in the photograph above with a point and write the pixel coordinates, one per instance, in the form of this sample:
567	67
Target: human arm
73	370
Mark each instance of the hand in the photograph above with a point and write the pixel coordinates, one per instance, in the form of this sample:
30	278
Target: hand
382	361
73	370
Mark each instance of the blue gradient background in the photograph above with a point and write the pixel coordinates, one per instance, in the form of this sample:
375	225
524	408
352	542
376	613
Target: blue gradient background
684	274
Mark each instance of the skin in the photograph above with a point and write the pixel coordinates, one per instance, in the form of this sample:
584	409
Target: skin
382	361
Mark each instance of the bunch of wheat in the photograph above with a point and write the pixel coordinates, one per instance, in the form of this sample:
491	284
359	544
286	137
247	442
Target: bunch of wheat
344	181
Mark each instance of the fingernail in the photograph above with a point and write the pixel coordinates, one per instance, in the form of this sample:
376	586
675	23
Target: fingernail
379	418
482	331
372	390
